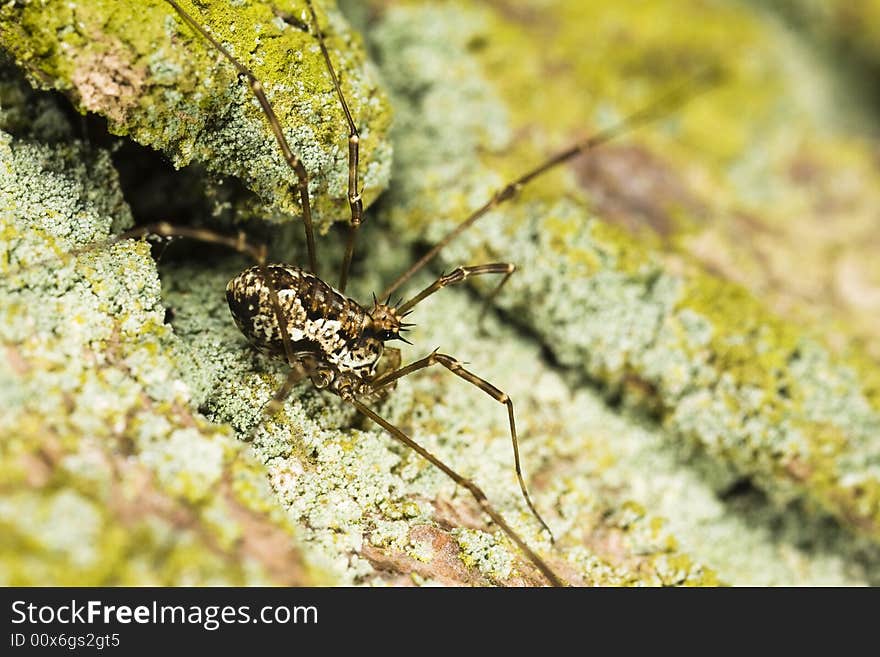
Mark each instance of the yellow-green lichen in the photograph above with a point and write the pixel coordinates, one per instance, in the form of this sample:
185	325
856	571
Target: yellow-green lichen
108	477
716	367
138	65
645	327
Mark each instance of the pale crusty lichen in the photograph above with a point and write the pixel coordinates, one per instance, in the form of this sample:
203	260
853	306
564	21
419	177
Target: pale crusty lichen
713	365
154	80
108	476
647	326
371	509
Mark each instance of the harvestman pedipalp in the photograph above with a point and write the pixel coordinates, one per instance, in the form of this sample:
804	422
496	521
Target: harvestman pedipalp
291	314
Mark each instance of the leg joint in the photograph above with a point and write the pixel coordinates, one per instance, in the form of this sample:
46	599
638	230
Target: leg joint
508	192
447	361
477	492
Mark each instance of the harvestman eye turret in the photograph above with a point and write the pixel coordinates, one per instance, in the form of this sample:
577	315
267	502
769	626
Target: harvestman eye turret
290	313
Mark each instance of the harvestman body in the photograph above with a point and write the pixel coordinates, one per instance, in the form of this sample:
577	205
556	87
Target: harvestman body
289	313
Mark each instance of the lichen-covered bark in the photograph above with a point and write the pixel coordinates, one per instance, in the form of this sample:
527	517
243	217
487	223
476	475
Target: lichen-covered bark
685	415
720	185
108	476
153	79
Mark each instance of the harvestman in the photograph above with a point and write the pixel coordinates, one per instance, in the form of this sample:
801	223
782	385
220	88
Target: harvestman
289	313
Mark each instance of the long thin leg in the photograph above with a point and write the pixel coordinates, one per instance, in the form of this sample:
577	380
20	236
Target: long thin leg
494	293
292	160
165	229
460	275
355	200
500	396
474	490
239	243
258	253
655	110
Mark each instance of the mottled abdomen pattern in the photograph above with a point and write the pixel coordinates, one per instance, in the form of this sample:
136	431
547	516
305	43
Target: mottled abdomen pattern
320	319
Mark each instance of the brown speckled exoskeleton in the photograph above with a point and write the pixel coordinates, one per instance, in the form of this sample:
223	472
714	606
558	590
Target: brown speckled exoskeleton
290	313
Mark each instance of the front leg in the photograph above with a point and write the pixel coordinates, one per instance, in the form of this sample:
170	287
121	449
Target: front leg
388	364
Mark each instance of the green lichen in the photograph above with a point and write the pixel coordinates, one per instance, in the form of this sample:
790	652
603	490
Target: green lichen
730	436
349	489
716	367
108	477
154	80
